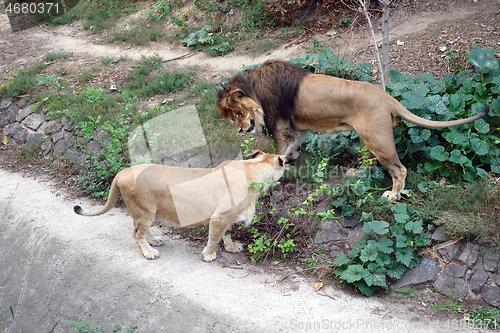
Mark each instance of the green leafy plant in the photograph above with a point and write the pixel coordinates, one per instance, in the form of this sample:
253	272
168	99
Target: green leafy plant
88	327
385	252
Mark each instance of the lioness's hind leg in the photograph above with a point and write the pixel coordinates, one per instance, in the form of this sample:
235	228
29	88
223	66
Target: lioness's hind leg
140	232
231	246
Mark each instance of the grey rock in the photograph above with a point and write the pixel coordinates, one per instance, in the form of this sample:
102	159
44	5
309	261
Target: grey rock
449	251
335	251
5	103
440	236
478	280
350	222
492	296
23	113
455	270
329	232
10	116
34	138
16	131
33	121
354	236
469	254
93	147
47	146
426	271
198	161
496	278
57	137
451	286
69	138
490	260
51	127
59	148
71	155
22	103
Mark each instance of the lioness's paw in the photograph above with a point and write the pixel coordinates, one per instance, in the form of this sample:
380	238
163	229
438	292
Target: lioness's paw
235	248
150	255
391	196
156	241
352	172
209	256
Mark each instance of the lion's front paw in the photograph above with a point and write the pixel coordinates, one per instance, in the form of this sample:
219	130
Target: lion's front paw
391	196
209	256
234	248
152	254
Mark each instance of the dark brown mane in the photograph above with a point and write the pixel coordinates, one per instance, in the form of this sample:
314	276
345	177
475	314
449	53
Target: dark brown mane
274	85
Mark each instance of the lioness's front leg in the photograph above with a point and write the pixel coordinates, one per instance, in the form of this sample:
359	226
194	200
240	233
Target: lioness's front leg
217	229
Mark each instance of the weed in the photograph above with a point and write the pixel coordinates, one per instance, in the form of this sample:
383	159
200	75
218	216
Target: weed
11	313
484	318
88	327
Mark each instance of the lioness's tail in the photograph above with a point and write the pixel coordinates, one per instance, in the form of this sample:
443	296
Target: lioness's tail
403	113
114	193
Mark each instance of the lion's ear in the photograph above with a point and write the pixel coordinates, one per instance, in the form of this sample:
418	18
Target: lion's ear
281	161
235	97
256	153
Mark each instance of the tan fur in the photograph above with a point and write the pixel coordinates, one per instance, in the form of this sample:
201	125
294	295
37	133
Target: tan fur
152	198
324	104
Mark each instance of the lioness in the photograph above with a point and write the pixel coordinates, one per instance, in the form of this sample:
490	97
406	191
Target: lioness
290	101
181	197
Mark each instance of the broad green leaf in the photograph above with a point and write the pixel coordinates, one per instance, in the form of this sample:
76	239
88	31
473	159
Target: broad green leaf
495	165
341	260
359	188
402	241
399	208
436	105
482	126
404	256
414	226
385	245
432	166
369	253
413	101
418	134
420	89
480	147
377	173
422	240
366	217
481	173
365	289
398	77
402	217
457	157
422	186
426	77
375	276
455	137
439	154
353	273
482	59
379	227
5	140
383	259
396	269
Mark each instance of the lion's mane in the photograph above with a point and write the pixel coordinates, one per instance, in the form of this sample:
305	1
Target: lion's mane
274	85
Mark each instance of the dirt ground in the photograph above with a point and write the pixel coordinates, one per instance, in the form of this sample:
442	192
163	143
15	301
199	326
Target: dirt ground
419	31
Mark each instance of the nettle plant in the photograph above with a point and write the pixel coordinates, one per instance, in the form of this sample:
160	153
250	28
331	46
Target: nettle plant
385	252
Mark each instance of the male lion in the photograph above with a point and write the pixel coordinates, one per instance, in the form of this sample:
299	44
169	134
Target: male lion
289	101
181	197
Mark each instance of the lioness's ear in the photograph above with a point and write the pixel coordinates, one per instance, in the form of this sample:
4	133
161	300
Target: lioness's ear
257	152
281	161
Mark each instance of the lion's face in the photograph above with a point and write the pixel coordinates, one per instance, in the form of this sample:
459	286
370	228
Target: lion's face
241	109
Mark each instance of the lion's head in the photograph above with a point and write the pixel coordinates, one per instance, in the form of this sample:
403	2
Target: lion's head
235	104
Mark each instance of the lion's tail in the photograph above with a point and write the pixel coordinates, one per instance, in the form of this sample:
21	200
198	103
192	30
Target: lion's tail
414	119
114	193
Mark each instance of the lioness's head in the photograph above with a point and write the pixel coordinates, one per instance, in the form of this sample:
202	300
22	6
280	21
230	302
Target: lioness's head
266	167
235	104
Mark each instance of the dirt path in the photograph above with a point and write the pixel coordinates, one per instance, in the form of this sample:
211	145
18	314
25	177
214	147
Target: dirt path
56	266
